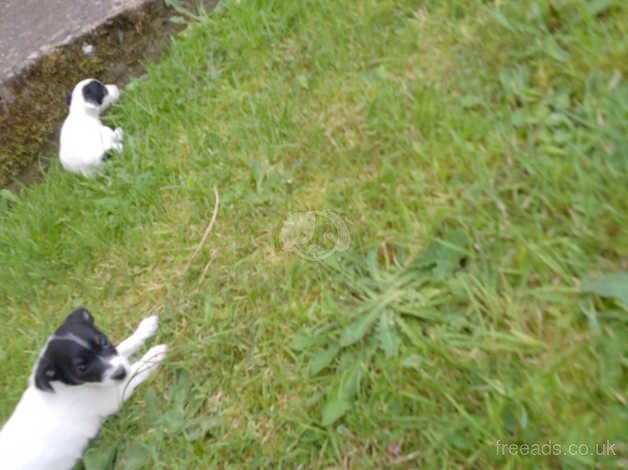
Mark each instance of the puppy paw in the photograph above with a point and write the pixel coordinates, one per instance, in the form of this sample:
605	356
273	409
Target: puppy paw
148	327
143	368
149	362
114	138
117	147
155	355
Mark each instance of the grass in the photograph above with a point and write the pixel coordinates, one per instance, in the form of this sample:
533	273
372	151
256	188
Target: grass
410	195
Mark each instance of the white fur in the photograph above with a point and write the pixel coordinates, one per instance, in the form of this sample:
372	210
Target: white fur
84	139
50	431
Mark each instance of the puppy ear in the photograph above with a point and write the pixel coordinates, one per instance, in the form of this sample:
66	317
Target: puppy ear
81	314
44	374
68	99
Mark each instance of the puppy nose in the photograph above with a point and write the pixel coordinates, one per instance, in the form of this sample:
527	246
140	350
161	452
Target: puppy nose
119	374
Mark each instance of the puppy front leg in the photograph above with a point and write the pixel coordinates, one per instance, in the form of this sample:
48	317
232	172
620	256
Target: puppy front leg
111	140
143	368
146	329
116	142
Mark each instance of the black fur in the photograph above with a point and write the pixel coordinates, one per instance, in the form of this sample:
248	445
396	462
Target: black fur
73	352
44	374
94	92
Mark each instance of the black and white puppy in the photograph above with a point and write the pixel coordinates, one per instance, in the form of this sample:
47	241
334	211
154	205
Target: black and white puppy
84	140
79	379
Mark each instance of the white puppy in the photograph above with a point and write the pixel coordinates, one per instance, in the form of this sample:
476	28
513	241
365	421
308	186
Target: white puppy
79	379
84	140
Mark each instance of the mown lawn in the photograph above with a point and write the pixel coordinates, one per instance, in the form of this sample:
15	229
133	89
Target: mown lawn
410	195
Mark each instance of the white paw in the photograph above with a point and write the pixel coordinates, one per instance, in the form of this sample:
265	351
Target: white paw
143	368
117	147
155	355
148	326
118	134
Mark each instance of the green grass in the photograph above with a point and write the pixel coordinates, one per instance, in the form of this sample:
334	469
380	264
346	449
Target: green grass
410	195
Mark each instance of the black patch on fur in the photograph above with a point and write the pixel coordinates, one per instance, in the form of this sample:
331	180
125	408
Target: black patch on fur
73	353
94	92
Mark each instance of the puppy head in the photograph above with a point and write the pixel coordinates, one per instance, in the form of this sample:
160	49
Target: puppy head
92	96
78	353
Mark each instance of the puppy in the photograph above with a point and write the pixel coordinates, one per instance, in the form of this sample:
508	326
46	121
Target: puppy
84	140
79	379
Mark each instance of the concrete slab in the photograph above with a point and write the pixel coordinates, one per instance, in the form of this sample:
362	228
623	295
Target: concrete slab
30	28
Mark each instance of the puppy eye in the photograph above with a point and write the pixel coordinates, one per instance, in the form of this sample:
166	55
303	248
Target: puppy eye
82	367
103	342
